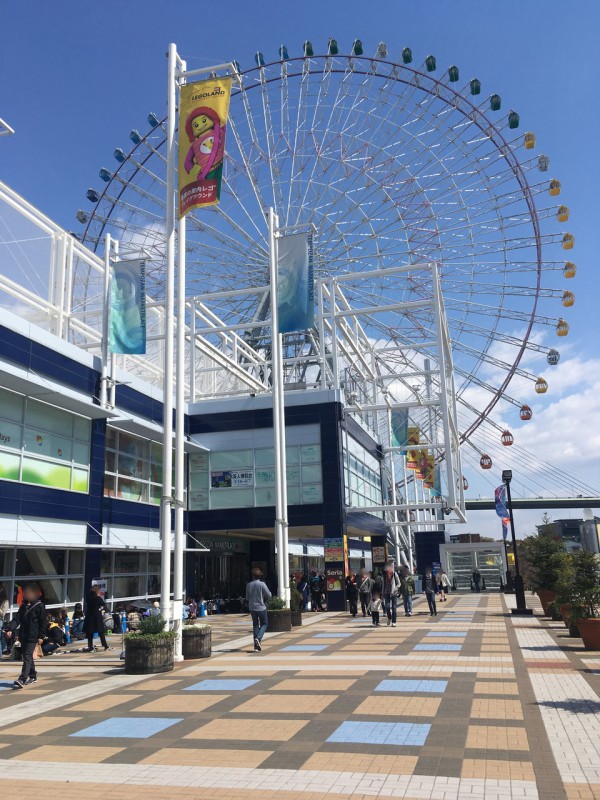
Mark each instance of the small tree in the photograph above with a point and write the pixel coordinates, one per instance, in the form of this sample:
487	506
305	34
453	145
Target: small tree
544	557
585	587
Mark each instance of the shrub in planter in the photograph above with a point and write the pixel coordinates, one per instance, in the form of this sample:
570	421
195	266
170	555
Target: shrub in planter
295	607
586	597
196	641
554	611
280	618
545	561
150	650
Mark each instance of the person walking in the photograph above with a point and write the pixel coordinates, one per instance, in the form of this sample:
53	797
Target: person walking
315	591
477	580
407	590
93	621
365	587
430	588
391	587
30	631
4	610
352	593
443	585
257	594
375	608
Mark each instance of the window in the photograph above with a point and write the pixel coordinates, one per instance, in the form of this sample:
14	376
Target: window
246	478
43	445
133	468
131	574
361	476
59	573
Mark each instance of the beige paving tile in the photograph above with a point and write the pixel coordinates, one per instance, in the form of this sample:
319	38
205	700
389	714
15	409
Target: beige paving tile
208	757
314	685
399	706
283	703
495	737
70	754
343	762
156	685
496	687
484	708
497	770
189	702
34	727
254	730
104	702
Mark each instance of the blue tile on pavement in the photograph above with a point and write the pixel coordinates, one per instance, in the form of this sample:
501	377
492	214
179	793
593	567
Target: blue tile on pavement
332	635
128	727
437	647
385	733
411	686
300	648
233	685
452	634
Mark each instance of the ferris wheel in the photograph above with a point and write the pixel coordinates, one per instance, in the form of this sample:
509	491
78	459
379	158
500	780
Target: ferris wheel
394	164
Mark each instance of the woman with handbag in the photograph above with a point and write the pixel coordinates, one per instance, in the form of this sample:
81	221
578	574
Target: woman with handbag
94	621
30	631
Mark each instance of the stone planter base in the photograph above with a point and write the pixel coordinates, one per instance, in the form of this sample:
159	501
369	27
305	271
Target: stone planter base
141	659
280	621
589	630
546	597
196	642
296	618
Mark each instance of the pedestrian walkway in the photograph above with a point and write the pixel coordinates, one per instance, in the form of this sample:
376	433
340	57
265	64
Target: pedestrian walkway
473	703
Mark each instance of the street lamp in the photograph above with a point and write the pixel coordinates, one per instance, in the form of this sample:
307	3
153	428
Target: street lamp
518	583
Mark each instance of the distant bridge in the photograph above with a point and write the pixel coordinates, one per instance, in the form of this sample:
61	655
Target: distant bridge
487	503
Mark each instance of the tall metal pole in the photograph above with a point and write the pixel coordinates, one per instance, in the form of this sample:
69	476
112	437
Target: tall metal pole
167	490
178	543
519	587
105	322
278	420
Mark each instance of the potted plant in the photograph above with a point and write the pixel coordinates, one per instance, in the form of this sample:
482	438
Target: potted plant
196	640
545	563
586	597
295	607
149	650
554	611
280	618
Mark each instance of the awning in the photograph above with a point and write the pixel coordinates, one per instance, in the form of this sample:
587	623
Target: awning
41	388
151	430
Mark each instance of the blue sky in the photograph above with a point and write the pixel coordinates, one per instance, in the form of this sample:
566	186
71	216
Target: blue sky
76	77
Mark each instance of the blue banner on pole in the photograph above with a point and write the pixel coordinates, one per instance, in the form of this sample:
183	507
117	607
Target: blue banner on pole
128	308
400	427
500	499
505	521
295	283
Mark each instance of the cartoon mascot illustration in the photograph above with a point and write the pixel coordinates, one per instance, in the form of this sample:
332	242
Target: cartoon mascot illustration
207	143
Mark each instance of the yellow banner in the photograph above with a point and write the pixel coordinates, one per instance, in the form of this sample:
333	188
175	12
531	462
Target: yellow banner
203	110
413	435
429	480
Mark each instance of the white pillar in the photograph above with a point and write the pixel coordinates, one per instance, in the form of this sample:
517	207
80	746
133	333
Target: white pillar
278	421
167	491
105	322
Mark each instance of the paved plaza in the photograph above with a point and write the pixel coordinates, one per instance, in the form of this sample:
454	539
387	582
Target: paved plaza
474	703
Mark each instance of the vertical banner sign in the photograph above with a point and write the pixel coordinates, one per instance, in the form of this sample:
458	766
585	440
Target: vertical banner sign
295	283
505	521
203	110
500	499
400	428
128	308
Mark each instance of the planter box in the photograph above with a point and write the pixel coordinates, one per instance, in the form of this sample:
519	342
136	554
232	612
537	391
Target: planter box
142	658
565	611
589	630
296	617
280	620
546	597
196	641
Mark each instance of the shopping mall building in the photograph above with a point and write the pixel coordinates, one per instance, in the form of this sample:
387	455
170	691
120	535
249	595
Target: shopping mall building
80	485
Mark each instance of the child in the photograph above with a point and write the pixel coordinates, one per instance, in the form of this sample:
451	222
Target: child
375	608
30	630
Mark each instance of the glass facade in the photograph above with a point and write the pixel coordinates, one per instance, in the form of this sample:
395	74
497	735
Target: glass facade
43	445
362	476
58	571
133	468
246	478
131	573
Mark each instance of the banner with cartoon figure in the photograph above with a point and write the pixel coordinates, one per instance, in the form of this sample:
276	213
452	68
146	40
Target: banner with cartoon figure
203	109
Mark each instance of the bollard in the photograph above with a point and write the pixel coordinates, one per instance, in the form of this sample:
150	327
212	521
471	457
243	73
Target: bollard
67	630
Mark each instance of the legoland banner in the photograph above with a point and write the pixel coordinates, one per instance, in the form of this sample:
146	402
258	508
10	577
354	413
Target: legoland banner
203	110
128	308
295	283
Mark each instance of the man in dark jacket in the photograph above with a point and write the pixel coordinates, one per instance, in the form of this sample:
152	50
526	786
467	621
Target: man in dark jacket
94	619
30	630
